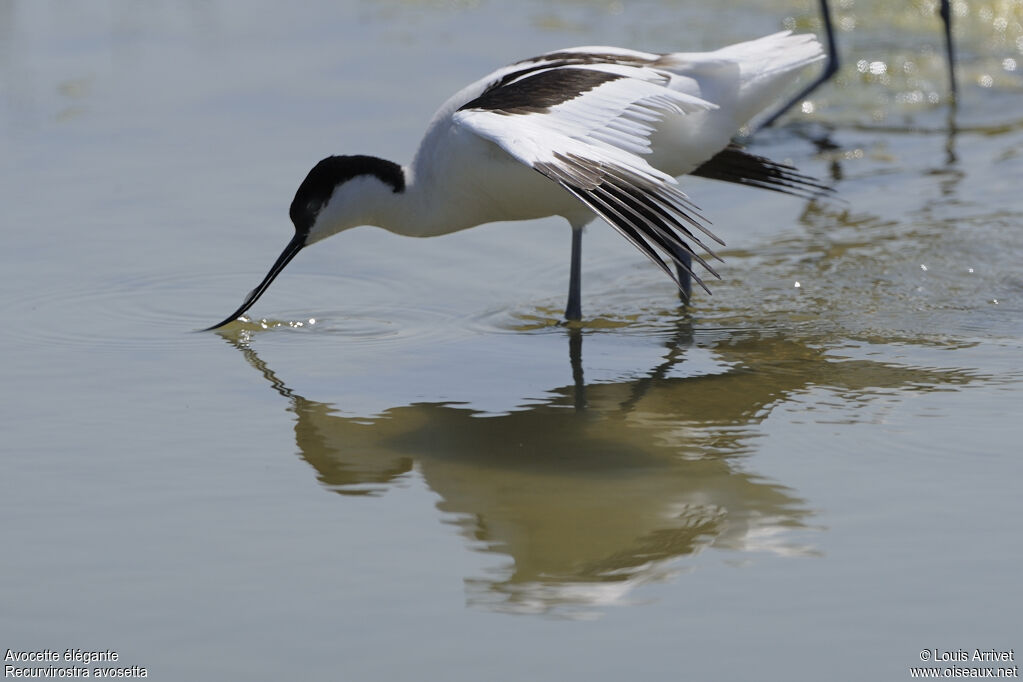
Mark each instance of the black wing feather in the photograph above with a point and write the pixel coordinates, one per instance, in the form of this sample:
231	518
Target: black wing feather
734	164
647	214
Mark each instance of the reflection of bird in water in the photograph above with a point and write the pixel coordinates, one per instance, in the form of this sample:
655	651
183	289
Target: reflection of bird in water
578	133
587	503
591	497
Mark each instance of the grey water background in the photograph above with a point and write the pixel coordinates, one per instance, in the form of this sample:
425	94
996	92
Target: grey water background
403	467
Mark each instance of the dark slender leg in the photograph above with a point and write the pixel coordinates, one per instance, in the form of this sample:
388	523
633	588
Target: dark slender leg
946	16
830	67
574	309
686	290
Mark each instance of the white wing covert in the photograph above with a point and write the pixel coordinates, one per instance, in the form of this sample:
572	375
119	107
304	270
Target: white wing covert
586	127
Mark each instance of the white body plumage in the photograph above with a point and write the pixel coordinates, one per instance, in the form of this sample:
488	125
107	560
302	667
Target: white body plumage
576	133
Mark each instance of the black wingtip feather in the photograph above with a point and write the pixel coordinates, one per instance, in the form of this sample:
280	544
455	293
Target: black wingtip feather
734	164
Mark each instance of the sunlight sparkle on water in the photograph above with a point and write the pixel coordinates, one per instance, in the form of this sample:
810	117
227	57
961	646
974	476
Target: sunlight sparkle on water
874	68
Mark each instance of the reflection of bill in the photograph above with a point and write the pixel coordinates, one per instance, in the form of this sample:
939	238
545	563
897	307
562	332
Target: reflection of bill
599	488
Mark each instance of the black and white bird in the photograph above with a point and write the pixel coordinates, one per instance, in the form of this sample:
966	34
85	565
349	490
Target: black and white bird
578	133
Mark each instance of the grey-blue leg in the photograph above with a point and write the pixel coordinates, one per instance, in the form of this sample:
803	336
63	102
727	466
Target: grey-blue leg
574	309
684	278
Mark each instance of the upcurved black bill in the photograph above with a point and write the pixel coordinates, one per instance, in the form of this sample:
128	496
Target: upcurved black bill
293	247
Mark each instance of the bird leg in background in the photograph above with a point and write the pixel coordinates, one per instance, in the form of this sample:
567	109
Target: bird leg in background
945	11
830	68
832	63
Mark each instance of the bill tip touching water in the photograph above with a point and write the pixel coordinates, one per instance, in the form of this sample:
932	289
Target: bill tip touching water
579	133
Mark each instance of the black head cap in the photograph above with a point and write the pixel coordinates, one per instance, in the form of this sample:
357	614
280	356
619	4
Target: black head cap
319	184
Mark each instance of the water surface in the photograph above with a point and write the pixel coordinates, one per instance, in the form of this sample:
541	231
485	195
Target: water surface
403	465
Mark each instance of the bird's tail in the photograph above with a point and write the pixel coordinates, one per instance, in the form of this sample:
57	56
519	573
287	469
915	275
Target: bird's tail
768	65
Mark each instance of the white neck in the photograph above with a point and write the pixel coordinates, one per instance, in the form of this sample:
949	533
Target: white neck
424	208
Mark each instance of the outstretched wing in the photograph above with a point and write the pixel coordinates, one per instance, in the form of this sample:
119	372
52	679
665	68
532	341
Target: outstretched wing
586	126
